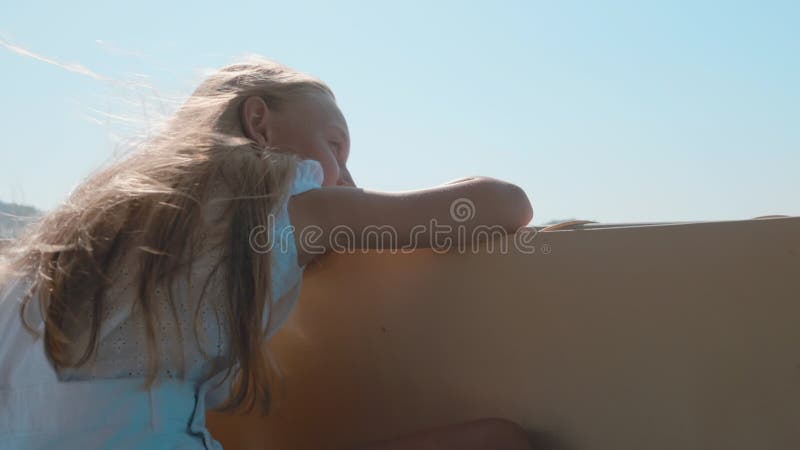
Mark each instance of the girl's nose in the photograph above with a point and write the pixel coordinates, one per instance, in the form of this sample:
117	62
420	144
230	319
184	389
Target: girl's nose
345	179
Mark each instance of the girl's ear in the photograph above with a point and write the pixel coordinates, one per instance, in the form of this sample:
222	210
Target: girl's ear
255	118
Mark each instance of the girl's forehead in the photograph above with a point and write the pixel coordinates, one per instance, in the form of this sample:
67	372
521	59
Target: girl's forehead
321	111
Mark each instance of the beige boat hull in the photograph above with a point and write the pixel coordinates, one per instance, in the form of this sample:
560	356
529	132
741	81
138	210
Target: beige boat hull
666	336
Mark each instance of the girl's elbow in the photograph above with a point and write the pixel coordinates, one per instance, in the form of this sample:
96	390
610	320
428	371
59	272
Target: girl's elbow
511	206
522	208
517	208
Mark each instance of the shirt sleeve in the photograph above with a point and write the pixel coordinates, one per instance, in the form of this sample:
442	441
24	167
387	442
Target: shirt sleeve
286	273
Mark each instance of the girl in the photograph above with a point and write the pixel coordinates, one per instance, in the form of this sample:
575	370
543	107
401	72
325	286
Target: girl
148	296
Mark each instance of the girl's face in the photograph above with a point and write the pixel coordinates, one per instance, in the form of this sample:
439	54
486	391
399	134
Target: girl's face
312	128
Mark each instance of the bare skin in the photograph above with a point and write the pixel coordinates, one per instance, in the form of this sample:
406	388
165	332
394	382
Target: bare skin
314	128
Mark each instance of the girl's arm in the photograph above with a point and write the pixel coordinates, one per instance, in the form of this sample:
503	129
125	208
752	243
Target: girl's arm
416	218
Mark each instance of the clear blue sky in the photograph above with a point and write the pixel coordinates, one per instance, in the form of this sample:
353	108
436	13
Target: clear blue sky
613	111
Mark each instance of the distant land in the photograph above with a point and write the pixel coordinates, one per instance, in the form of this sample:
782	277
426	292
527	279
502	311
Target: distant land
14	217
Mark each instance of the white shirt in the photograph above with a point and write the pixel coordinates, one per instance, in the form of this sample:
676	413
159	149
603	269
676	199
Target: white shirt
103	404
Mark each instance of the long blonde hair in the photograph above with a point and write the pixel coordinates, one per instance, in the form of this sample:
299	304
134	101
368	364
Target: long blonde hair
153	202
